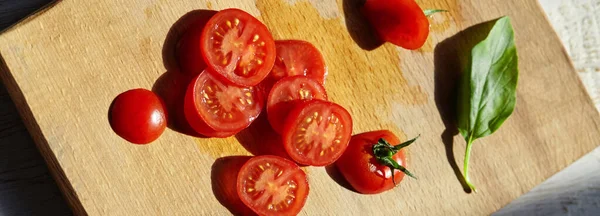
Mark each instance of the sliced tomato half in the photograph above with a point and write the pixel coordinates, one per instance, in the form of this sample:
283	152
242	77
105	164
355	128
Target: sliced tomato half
272	185
217	109
238	47
288	92
317	132
296	57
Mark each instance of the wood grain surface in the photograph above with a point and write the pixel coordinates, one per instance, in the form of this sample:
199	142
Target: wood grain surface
64	68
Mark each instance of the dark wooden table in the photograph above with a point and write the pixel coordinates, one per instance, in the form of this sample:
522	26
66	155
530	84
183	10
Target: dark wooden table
26	186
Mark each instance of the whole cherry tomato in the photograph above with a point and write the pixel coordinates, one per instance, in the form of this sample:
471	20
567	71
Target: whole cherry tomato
371	164
138	116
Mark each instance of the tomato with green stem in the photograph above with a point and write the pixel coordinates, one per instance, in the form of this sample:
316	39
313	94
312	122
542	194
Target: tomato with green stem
272	185
371	164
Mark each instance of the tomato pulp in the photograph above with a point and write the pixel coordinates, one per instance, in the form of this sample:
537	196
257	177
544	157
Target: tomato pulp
401	22
296	57
138	116
272	185
317	132
287	93
361	169
217	109
238	47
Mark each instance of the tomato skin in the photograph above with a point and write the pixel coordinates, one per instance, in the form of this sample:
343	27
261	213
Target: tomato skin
360	168
298	130
247	183
401	22
296	57
138	116
288	93
188	49
264	45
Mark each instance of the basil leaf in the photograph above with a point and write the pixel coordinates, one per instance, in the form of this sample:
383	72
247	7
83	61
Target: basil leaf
487	92
429	12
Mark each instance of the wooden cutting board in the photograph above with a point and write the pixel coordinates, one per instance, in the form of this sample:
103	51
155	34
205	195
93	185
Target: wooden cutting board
64	68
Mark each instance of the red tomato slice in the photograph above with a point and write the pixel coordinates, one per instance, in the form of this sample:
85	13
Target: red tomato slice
217	109
296	57
272	185
360	168
317	132
401	22
238	47
138	116
288	92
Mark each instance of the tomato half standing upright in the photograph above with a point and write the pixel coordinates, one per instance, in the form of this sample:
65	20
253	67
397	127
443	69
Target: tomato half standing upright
272	185
296	57
317	132
401	22
238	47
218	109
287	93
361	168
138	116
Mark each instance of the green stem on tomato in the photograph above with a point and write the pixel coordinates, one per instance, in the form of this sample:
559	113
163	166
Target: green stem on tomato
466	163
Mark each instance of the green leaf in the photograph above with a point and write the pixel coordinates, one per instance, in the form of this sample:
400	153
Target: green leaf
487	92
429	12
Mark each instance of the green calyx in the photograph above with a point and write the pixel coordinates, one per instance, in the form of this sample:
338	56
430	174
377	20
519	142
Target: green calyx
384	151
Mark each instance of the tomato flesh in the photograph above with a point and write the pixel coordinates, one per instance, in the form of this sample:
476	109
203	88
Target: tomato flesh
401	22
238	47
296	57
317	132
360	168
272	185
138	116
288	92
217	109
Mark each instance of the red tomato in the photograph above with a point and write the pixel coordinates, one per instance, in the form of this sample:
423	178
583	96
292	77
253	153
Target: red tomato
296	57
217	109
188	48
401	22
317	132
238	47
288	92
272	185
360	167
138	116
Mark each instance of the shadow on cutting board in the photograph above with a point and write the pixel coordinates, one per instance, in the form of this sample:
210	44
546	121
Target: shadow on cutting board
223	177
172	85
450	57
359	28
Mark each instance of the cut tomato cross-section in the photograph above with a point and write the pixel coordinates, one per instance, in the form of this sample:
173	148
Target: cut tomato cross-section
317	132
272	185
288	92
220	109
238	47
